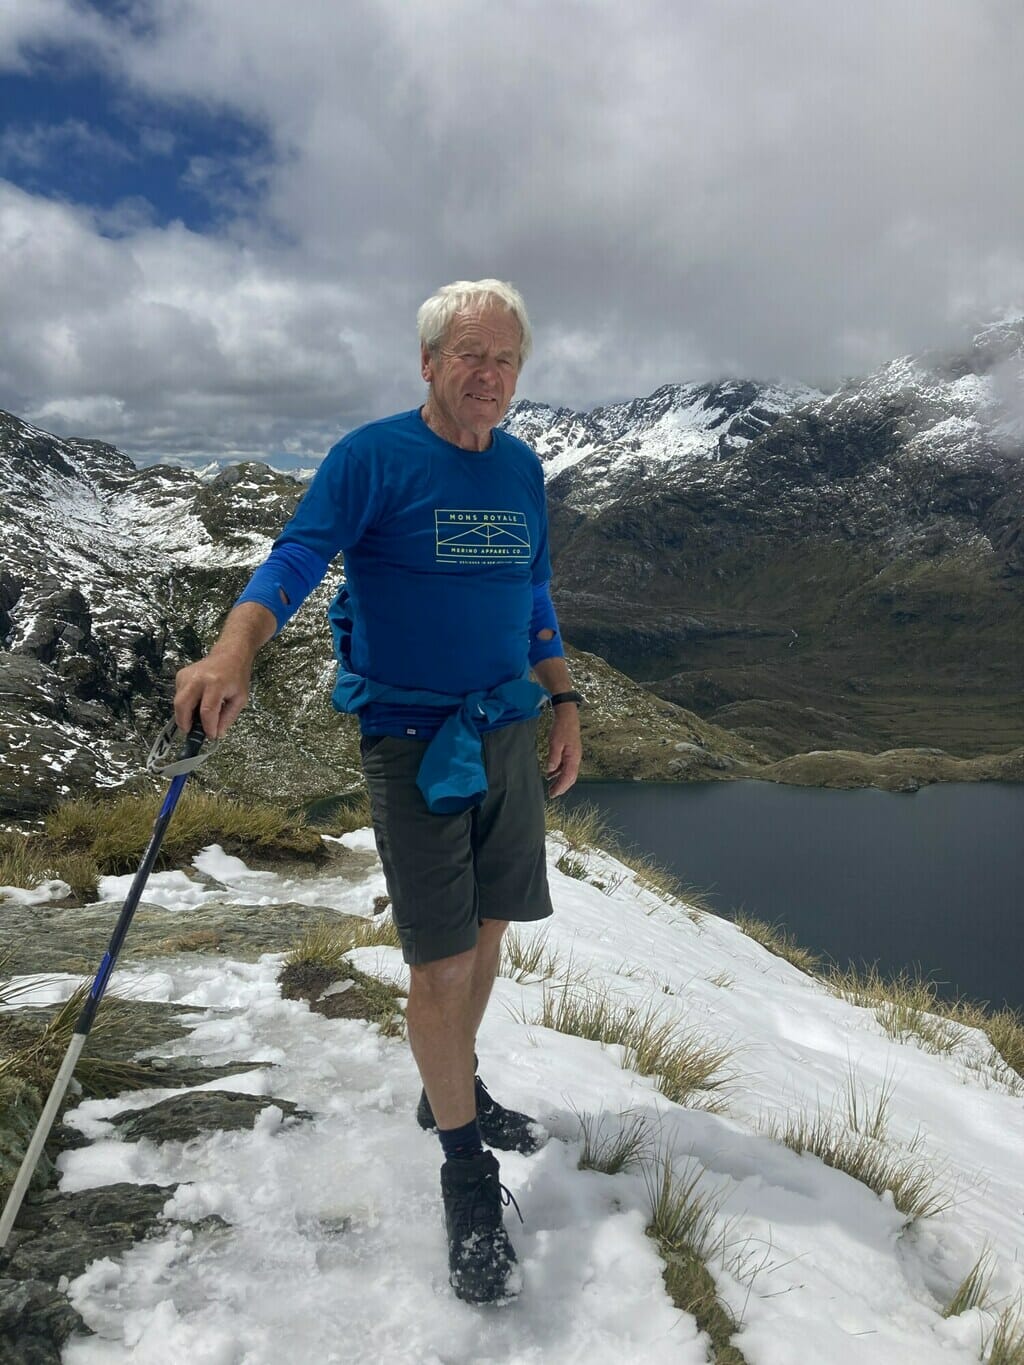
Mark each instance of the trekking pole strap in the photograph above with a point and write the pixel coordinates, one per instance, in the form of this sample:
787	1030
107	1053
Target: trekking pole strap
170	757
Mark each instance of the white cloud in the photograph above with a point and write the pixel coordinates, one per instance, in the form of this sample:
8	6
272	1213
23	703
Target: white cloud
27	24
681	191
41	143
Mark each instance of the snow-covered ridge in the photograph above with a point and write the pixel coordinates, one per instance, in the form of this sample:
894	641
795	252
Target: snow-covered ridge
673	426
333	1238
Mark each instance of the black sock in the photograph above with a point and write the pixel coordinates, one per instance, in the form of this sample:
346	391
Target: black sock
461	1143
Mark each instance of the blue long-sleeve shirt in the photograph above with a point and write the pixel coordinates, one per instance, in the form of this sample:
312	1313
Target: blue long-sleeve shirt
446	561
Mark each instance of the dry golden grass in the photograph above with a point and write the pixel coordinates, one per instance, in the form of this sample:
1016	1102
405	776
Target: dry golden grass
682	1223
1006	1344
1004	1028
779	942
526	957
378	932
328	942
27	861
613	1145
325	943
354	814
115	832
652	1044
869	1159
973	1290
905	1005
33	1056
327	946
583	828
585	831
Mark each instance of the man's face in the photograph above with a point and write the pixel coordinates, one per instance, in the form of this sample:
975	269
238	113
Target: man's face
474	371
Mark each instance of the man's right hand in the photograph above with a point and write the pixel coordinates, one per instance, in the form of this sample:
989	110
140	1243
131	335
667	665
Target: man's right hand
217	687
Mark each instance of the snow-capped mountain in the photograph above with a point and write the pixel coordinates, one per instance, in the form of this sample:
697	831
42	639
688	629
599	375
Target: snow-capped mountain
851	577
107	573
612	449
111	578
809	571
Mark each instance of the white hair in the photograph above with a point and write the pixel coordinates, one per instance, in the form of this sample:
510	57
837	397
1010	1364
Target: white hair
435	316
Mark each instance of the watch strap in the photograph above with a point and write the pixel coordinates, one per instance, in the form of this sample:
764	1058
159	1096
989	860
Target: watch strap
558	698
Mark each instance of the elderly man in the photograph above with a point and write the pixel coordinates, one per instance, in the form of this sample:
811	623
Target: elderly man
444	611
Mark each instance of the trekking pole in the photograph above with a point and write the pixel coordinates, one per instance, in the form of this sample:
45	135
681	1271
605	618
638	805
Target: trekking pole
178	769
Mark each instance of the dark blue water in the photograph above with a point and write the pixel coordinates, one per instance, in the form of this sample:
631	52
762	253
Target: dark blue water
931	881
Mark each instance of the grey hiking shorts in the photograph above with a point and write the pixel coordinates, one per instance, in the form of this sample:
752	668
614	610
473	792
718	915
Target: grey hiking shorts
447	873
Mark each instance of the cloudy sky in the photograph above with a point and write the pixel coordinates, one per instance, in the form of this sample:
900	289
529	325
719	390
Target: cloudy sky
217	217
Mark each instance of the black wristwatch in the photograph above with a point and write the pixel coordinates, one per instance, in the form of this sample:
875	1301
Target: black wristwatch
559	697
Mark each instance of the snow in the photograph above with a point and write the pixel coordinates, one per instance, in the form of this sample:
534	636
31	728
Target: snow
53	890
334	1246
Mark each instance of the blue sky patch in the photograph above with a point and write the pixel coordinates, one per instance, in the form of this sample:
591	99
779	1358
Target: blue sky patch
78	136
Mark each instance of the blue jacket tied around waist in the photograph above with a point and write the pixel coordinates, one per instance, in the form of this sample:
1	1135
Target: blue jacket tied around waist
451	776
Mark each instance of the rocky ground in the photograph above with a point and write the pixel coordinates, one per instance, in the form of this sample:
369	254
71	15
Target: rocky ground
57	1234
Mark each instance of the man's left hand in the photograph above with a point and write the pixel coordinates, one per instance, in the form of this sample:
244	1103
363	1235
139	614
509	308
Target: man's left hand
565	749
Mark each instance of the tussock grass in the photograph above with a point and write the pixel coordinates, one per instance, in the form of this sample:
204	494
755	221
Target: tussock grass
379	932
1006	1344
652	1043
1004	1028
582	1012
115	832
723	980
778	941
27	861
354	814
323	944
585	830
905	1005
865	1115
582	828
868	1159
571	866
973	1290
32	1056
527	957
611	1149
324	947
682	1223
328	943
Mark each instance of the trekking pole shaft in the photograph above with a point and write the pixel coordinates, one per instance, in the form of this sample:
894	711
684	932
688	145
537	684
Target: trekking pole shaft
85	1019
99	985
35	1148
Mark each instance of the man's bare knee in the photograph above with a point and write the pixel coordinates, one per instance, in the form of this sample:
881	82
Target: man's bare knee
448	975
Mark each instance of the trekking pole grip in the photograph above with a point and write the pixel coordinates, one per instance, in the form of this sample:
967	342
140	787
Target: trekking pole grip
195	739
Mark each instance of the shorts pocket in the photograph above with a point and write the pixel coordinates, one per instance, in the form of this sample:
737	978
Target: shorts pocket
367	744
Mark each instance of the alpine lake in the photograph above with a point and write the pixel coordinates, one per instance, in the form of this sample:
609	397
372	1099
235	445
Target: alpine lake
929	883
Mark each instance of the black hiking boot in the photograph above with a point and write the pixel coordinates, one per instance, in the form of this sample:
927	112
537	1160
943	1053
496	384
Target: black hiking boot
481	1260
503	1128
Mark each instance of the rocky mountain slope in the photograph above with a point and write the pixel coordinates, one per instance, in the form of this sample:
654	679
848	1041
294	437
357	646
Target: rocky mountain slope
780	571
111	578
811	572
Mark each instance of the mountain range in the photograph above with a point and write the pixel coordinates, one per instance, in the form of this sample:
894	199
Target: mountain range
756	575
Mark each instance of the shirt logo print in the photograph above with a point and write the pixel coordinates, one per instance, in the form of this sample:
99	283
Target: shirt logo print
481	536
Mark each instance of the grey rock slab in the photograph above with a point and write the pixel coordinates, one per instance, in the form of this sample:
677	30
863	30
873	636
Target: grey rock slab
179	1118
35	1321
50	938
60	1234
